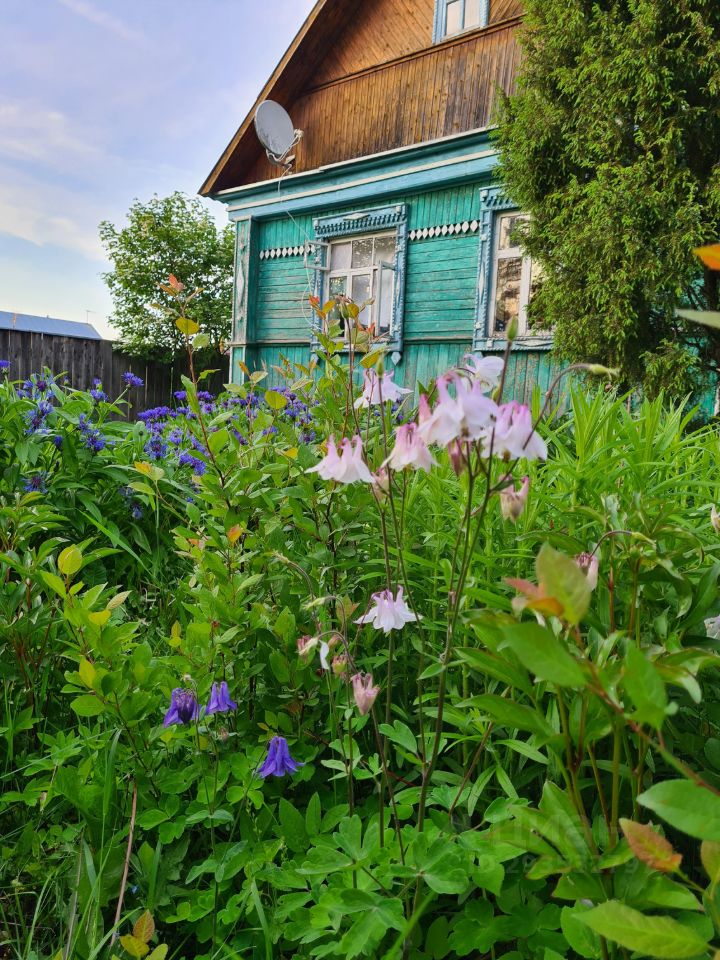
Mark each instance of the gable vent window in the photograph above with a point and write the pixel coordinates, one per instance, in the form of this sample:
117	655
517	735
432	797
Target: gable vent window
457	16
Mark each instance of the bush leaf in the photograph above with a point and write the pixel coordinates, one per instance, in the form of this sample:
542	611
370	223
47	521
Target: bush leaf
650	848
651	936
685	806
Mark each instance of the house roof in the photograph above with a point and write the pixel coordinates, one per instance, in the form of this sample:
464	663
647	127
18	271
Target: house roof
26	323
312	42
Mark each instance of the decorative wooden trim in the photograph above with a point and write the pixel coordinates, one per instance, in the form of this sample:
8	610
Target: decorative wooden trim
278	253
492	199
445	230
366	221
245	238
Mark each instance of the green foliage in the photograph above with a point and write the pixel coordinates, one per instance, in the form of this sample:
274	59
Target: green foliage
494	800
168	235
611	143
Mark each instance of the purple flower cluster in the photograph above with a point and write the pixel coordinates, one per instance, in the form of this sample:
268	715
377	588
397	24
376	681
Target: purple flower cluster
4	365
37	387
97	392
37	418
92	438
134	506
132	381
184	706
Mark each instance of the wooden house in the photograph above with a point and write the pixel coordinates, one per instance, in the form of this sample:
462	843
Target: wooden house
392	194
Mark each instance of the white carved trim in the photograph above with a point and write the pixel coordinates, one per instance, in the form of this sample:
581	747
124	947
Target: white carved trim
445	230
279	252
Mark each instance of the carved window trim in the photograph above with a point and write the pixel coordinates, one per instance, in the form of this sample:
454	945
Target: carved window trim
362	222
492	203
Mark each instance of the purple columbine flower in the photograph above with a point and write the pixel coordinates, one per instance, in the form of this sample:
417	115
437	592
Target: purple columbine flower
220	701
132	381
278	761
183	707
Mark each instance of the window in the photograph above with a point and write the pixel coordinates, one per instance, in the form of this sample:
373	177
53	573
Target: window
515	277
363	269
455	16
361	255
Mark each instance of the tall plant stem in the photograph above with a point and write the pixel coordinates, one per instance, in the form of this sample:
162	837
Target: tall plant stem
126	867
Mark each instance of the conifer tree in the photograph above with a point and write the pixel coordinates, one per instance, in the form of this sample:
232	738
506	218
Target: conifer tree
612	143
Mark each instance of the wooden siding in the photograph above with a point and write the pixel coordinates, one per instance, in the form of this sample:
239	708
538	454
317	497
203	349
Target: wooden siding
83	360
444	90
505	10
384	30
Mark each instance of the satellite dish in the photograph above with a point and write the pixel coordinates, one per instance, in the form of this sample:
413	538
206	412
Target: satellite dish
275	131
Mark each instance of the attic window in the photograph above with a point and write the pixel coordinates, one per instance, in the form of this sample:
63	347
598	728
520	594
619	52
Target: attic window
457	16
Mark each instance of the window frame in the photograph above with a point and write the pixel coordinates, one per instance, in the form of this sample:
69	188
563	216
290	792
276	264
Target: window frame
374	270
439	33
382	221
493	205
511	253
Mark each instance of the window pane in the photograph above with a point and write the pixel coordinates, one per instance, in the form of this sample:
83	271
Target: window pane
385	297
384	250
361	288
362	251
508	223
507	296
472	14
340	256
338	286
453	17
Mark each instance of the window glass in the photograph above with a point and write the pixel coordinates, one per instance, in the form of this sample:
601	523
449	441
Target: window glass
453	17
338	286
340	255
508	224
384	250
507	292
385	298
362	251
472	14
361	287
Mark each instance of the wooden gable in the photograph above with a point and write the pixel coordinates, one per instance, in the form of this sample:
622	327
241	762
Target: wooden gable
363	77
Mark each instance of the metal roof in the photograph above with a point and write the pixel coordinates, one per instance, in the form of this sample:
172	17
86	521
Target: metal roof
25	323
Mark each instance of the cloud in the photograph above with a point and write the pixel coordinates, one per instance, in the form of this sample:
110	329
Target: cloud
40	134
103	19
38	215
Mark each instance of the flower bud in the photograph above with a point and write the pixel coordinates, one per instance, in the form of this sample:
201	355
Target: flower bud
589	564
512	501
715	519
513	327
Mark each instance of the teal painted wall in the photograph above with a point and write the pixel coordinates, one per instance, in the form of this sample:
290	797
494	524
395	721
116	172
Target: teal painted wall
440	293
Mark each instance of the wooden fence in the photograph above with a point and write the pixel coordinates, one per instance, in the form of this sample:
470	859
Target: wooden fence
84	360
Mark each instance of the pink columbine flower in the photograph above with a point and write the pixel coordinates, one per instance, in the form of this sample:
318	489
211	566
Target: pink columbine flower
410	450
512	501
377	390
387	612
381	482
513	436
589	563
364	693
458	453
462	417
346	467
486	371
306	645
339	665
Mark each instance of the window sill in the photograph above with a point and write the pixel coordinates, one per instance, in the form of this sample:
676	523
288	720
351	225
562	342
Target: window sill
527	343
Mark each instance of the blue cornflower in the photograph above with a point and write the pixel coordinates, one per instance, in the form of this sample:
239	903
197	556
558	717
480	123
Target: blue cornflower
188	460
57	441
180	395
278	761
94	441
136	510
205	395
35	483
156	448
308	436
183	707
132	381
269	431
98	394
220	701
4	365
240	438
156	413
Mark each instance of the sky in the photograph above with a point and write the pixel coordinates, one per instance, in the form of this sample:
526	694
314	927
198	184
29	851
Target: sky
106	101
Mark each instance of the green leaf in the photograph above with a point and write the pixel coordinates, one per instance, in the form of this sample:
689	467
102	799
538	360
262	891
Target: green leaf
87	706
513	716
292	825
710	856
650	935
581	938
564	580
401	734
275	400
643	683
152	818
708	318
187	326
54	582
70	561
279	666
538	649
686	806
201	341
313	816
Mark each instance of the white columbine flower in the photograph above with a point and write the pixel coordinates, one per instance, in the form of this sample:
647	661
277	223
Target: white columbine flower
486	371
387	612
346	467
377	390
410	450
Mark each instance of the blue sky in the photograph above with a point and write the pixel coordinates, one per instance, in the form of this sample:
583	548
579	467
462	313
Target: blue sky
105	101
